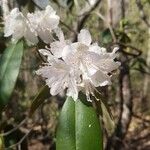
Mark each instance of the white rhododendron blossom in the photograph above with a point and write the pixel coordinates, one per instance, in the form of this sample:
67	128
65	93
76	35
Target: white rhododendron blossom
39	23
78	66
17	26
44	22
74	67
58	46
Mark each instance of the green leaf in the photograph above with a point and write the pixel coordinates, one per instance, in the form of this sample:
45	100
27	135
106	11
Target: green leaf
78	127
1	143
39	98
9	69
107	119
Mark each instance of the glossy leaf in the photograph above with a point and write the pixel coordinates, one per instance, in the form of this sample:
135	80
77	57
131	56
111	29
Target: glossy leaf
38	100
9	69
78	127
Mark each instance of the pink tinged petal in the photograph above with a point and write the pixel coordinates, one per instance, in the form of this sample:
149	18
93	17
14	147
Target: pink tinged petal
45	52
49	10
96	49
100	79
56	88
50	58
18	29
15	25
45	72
31	37
50	19
57	48
115	49
68	49
84	37
80	48
108	65
44	35
51	22
9	27
113	55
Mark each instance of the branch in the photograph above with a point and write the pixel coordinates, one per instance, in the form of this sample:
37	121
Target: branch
142	13
20	141
15	128
141	118
109	26
68	27
85	16
139	52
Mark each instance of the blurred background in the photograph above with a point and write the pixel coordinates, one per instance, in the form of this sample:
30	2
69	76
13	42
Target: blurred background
125	23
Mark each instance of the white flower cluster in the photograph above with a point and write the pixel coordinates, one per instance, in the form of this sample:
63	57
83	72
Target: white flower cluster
77	66
40	23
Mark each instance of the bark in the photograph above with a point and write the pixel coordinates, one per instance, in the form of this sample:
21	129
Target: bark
115	142
116	11
145	103
82	20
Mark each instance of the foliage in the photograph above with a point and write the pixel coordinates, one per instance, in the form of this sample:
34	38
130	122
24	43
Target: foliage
9	65
76	118
132	36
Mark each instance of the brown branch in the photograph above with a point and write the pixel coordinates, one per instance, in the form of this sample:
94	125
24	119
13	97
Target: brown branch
109	26
142	13
141	118
15	128
68	27
139	52
84	17
20	141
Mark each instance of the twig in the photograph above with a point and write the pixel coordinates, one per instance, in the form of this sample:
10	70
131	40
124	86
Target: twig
20	141
141	71
142	13
68	27
130	46
85	16
37	5
15	128
108	24
140	118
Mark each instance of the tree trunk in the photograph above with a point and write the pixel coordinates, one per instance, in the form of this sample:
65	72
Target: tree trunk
115	142
116	12
145	103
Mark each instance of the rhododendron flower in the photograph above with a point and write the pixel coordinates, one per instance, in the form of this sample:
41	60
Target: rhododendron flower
58	45
79	66
44	22
39	23
60	76
17	26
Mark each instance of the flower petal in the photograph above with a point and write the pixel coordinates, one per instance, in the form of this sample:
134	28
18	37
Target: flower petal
84	37
100	79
